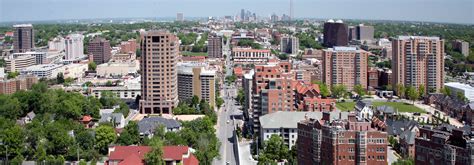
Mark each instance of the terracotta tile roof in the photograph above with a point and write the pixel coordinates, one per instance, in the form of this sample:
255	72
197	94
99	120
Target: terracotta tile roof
238	71
129	154
86	118
192	160
174	152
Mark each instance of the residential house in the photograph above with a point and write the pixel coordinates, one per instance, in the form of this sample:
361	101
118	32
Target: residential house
147	126
117	119
364	109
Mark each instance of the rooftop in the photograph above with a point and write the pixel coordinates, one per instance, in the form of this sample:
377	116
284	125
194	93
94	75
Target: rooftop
284	119
418	37
22	25
42	67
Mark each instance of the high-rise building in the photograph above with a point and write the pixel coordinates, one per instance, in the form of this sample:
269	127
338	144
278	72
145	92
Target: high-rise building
340	141
335	33
352	33
289	44
23	38
40	57
444	144
179	17
345	66
242	15
57	43
194	79
214	47
461	46
274	18
160	51
100	50
418	60
364	33
74	46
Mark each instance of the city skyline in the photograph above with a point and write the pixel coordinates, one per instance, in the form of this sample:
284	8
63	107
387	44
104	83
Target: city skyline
457	11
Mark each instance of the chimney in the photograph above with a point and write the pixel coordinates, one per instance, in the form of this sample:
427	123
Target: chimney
306	116
352	117
326	116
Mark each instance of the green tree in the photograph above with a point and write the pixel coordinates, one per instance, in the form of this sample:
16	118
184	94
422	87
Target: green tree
400	90
60	78
130	135
460	96
104	135
92	66
274	150
446	91
10	108
18	160
14	138
154	157
323	88
359	90
85	139
421	90
194	101
412	94
241	96
408	161
219	102
108	99
12	75
339	91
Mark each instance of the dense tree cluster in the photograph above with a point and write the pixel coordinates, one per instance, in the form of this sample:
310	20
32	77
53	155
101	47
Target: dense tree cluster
249	43
55	134
275	150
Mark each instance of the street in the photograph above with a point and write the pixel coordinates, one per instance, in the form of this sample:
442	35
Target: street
225	123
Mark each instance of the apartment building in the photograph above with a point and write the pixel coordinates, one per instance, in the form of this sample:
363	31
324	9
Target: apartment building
194	79
289	44
418	60
335	33
340	141
444	144
345	66
16	64
214	47
20	83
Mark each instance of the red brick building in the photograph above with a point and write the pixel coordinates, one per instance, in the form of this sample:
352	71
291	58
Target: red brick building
373	78
308	98
350	141
20	83
129	46
443	145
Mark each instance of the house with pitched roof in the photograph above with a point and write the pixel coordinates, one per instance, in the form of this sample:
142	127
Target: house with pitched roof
364	109
147	126
135	155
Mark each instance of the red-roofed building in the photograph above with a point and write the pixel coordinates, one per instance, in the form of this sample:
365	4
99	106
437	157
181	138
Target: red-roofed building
238	71
87	121
8	34
194	58
308	98
135	155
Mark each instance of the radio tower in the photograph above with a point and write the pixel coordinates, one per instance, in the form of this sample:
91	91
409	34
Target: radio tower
291	10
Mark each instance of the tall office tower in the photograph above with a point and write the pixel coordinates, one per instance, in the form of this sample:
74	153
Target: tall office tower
23	38
418	60
345	66
74	46
352	33
289	44
214	47
57	43
179	17
340	141
160	51
274	18
365	33
335	33
242	15
100	50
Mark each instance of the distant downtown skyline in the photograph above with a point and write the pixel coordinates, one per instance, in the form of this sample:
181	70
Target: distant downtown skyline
452	11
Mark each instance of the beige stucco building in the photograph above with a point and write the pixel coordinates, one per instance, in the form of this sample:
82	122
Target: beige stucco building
194	79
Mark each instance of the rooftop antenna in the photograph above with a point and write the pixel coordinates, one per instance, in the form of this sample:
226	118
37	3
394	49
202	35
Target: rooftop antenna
291	10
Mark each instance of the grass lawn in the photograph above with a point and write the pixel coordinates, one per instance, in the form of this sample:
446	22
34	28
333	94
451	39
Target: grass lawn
402	107
194	53
345	106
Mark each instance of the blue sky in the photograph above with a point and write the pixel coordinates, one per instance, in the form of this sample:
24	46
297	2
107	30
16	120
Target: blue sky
453	11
